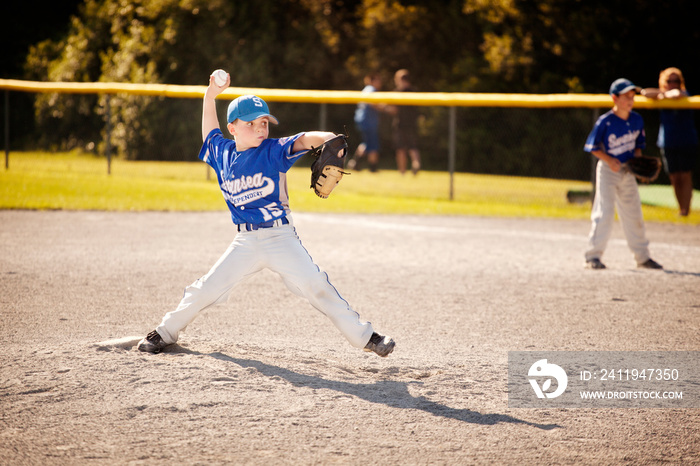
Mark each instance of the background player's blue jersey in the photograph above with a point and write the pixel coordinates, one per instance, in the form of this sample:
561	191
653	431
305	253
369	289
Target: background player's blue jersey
366	116
254	181
617	137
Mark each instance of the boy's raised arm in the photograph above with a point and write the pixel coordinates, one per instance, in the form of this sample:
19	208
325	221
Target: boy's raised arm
210	120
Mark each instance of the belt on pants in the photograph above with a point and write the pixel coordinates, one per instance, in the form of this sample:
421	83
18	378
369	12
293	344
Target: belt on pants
257	226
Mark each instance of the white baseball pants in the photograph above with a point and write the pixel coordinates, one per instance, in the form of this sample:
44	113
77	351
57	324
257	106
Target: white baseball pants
280	250
616	189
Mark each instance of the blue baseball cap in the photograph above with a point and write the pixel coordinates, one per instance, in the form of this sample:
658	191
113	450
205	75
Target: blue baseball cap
622	85
249	108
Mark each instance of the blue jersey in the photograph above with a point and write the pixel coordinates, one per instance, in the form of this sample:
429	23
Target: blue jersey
254	181
366	116
617	137
677	129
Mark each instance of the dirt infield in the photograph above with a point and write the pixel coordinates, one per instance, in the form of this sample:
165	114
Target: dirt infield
265	379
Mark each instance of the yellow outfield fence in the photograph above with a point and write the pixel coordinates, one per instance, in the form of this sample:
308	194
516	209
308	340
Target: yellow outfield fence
445	99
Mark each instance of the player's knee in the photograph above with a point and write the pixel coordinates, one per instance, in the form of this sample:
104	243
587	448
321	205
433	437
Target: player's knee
318	287
205	292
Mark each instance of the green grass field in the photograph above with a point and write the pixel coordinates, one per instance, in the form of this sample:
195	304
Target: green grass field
78	181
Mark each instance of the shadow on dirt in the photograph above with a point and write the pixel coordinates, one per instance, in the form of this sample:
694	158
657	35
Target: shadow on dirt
675	272
388	392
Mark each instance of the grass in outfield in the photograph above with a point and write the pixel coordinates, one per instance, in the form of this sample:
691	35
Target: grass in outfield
77	181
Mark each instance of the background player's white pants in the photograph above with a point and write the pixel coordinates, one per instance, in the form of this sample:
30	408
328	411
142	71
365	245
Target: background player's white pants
616	189
280	250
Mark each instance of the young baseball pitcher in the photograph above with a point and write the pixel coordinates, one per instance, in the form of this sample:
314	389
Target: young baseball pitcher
617	137
251	171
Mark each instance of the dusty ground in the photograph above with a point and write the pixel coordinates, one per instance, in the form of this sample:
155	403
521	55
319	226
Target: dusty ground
265	379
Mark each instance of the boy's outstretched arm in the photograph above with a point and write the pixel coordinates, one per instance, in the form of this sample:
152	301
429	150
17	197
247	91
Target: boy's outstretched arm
210	120
311	139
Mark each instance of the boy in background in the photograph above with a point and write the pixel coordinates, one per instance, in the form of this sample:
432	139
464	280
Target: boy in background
617	137
367	121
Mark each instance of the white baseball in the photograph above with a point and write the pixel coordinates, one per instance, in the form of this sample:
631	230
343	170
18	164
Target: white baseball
220	77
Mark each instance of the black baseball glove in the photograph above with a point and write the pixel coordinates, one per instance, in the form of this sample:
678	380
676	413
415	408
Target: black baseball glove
646	169
327	169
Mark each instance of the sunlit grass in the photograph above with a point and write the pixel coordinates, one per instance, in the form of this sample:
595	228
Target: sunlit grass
77	181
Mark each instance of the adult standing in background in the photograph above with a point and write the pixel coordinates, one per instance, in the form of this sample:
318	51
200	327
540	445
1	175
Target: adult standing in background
678	137
405	126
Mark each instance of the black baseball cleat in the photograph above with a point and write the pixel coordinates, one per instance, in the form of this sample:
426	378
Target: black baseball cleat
153	343
380	344
594	264
650	264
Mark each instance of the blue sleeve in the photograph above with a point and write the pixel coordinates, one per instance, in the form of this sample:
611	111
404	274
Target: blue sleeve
641	142
595	138
207	152
288	158
214	149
